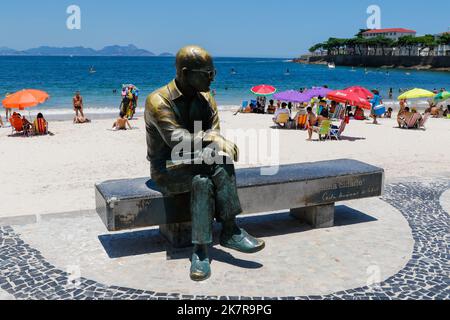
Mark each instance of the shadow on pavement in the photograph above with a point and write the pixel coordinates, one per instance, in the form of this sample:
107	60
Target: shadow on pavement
119	245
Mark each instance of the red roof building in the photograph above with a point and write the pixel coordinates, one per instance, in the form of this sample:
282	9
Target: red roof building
392	33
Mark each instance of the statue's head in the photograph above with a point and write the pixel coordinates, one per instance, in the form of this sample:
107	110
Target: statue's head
195	68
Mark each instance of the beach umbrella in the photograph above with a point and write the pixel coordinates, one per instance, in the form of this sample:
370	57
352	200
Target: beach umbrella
416	93
26	98
264	90
291	96
350	98
442	96
361	91
317	92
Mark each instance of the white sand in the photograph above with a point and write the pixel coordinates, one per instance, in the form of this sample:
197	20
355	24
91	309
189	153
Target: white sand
55	174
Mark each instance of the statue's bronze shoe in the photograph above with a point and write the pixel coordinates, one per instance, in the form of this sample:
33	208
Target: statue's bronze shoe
242	242
200	266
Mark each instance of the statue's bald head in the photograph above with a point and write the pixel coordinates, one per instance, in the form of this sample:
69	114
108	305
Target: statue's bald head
193	57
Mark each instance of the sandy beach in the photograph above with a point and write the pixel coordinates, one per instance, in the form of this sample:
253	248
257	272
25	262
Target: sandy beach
56	174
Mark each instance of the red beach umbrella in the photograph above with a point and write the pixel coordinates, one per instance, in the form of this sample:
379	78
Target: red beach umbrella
264	90
360	91
350	98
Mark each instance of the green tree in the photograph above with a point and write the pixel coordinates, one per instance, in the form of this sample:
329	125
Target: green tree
408	42
383	43
444	39
351	45
316	47
426	42
361	43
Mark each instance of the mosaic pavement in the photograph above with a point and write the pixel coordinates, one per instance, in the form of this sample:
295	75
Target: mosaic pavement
25	273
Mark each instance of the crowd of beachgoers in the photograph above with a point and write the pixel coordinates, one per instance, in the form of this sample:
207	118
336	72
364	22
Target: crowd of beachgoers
325	115
318	114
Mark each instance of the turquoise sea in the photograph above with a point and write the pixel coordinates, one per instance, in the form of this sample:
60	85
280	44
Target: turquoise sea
62	76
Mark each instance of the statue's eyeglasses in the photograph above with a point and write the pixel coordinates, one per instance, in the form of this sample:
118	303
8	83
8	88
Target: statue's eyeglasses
211	73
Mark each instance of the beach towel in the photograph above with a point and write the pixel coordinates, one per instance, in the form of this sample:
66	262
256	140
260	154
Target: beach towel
40	126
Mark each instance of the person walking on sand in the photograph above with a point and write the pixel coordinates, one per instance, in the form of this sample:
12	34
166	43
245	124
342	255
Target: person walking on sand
78	104
375	102
122	122
7	111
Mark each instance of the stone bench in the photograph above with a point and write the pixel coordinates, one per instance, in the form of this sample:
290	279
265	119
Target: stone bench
309	190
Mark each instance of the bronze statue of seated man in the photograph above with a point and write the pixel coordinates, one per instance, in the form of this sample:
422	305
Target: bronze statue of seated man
184	111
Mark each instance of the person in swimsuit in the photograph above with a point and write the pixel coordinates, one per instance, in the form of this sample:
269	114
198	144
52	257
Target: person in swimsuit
312	122
78	104
122	122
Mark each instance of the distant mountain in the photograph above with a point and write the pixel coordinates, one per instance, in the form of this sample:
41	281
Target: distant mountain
54	51
166	54
130	50
4	51
116	51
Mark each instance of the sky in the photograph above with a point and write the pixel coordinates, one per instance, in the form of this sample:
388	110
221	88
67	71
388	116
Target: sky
234	28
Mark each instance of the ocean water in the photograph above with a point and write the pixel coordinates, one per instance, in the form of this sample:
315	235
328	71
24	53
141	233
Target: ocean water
62	76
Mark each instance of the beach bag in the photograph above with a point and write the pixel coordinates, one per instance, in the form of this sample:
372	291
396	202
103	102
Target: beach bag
379	110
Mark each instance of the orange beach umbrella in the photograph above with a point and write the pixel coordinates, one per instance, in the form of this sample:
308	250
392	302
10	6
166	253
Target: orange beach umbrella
26	98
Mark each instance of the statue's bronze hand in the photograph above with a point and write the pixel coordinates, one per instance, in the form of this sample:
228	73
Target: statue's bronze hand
231	149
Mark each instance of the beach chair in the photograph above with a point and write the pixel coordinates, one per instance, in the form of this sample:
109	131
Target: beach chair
282	120
16	125
323	130
302	119
336	133
338	113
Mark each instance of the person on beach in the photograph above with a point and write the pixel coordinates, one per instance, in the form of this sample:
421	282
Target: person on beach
183	112
80	120
271	108
403	104
391	92
437	112
311	122
1	122
25	123
122	122
375	102
323	107
333	106
282	110
7	110
359	114
78	104
40	125
388	113
404	117
290	107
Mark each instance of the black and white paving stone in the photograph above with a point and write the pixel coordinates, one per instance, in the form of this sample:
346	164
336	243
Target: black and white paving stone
25	273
